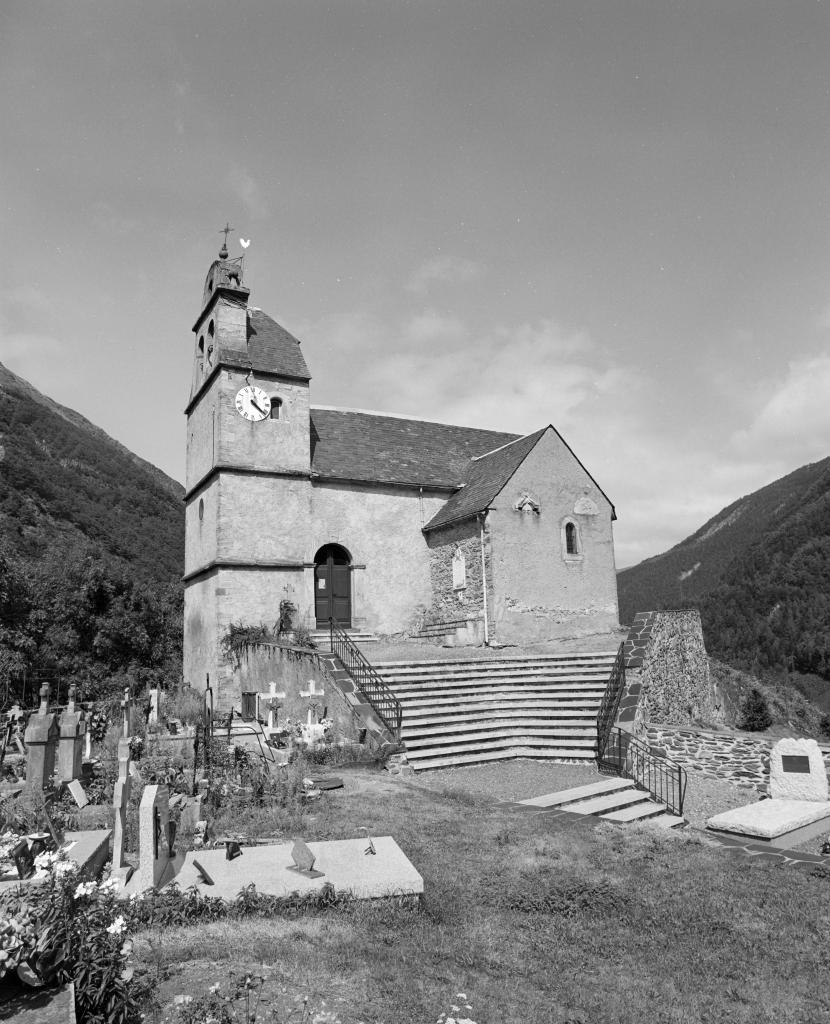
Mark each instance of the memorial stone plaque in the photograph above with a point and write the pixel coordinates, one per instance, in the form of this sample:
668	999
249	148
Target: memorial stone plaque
795	763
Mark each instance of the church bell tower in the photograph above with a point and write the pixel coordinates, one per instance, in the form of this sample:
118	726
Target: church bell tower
247	500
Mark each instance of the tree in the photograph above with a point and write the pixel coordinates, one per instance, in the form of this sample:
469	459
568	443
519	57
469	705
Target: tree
755	713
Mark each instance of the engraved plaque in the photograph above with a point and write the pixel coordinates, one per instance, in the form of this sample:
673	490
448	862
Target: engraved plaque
796	764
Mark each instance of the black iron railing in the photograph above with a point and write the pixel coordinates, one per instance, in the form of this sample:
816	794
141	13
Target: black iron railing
607	714
385	703
630	758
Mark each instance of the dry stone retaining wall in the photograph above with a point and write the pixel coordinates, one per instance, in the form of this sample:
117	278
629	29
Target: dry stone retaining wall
736	757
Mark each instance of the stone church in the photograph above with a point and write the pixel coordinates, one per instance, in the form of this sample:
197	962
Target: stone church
388	524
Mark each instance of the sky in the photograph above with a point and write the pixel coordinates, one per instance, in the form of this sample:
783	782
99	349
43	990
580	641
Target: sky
609	215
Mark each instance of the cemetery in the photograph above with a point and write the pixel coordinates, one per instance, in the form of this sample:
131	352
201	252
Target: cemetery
149	828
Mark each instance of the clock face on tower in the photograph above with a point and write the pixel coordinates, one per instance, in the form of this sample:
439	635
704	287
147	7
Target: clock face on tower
252	403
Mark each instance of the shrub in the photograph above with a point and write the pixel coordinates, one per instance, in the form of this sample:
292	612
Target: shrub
824	726
755	713
68	930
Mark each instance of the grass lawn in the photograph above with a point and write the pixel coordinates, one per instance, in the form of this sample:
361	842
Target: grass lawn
533	922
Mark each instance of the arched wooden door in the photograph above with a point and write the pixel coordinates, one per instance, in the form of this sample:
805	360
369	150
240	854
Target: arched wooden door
333	586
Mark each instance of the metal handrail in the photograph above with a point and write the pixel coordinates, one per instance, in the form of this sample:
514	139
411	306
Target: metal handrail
663	778
383	701
607	714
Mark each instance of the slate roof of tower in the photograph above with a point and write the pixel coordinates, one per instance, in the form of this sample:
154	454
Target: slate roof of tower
484	479
270	349
374	448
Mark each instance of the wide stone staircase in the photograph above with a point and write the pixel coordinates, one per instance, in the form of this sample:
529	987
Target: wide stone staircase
458	712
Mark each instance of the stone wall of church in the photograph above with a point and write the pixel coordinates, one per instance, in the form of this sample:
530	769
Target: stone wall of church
200	531
200	632
541	590
278	445
456	572
264	518
380	527
201	437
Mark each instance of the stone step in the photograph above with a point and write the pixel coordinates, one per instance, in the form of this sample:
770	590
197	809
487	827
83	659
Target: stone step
667	820
524	686
491	670
607	802
646	811
484	712
418	749
463	730
592	789
464	663
459	759
495	692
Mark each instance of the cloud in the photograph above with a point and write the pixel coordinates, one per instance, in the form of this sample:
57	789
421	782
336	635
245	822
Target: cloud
248	191
667	474
793	425
443	270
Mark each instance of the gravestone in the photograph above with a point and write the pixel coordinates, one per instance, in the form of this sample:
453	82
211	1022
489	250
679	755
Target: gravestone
797	771
303	860
153	716
41	741
268	699
154	852
23	858
78	793
120	801
72	729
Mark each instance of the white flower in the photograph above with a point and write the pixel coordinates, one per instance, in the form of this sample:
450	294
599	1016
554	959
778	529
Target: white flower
109	883
117	926
215	988
84	889
64	867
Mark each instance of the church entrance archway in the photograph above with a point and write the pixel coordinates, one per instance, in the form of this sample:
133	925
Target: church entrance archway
333	586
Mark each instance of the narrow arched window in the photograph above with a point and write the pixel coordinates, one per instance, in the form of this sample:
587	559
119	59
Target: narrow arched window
276	408
571	539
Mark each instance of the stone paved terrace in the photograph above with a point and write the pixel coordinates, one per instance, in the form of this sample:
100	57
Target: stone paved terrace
420	650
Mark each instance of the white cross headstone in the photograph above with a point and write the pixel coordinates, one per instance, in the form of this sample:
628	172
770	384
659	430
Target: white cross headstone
272	695
312	690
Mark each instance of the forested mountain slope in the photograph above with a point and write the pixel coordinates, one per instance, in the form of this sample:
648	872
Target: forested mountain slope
760	573
91	550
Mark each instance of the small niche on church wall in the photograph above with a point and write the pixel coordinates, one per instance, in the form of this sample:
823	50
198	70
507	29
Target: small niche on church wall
201	509
459	571
276	408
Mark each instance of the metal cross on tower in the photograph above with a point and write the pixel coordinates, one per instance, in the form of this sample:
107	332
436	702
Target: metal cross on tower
226	230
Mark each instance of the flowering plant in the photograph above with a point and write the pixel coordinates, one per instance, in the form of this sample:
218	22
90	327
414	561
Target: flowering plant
98	723
66	929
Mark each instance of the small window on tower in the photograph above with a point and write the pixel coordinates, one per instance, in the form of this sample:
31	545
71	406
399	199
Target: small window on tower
202	345
211	329
201	509
276	408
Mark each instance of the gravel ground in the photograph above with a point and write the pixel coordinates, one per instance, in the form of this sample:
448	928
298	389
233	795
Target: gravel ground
510	780
521	779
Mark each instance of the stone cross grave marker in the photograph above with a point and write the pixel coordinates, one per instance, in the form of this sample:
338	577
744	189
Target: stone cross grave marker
154	834
271	695
303	860
797	771
312	690
72	729
126	714
41	741
120	802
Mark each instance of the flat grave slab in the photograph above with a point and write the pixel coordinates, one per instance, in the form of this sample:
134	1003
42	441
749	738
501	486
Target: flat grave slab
343	863
88	849
780	823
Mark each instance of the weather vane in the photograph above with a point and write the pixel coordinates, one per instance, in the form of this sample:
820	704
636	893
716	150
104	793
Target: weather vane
226	230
